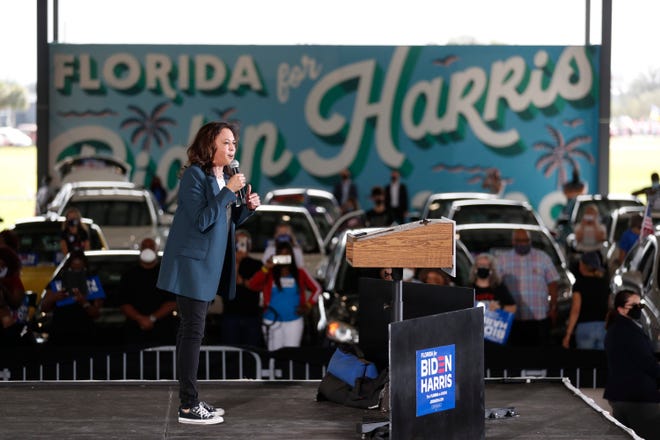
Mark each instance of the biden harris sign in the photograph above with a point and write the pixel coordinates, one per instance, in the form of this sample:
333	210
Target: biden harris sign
435	379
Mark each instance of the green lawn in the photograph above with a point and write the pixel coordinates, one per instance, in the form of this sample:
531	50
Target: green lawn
18	183
632	160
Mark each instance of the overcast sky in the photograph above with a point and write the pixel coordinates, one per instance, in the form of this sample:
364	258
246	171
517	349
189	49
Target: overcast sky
343	22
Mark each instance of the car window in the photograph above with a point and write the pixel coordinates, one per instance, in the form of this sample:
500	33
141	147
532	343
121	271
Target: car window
438	208
115	212
496	241
39	242
110	269
261	227
470	214
605	207
646	264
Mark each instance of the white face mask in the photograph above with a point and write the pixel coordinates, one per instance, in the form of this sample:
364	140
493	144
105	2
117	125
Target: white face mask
3	272
148	256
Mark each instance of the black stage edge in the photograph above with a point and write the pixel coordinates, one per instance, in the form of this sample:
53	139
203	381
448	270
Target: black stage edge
546	409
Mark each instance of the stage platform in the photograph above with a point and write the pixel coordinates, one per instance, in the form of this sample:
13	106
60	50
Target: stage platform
545	409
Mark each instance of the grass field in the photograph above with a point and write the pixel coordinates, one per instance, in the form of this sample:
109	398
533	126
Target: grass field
632	160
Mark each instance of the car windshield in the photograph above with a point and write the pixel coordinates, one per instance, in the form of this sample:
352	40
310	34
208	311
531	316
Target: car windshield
496	241
469	214
261	227
605	206
115	212
39	242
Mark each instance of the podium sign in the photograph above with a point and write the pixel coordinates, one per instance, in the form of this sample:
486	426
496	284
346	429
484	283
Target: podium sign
426	243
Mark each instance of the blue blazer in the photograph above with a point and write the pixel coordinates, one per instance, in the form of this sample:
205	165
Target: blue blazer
199	259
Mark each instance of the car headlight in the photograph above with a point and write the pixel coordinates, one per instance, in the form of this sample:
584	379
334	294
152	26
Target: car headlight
342	332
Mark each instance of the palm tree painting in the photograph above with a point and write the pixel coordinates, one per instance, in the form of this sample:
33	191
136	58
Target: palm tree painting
561	153
149	127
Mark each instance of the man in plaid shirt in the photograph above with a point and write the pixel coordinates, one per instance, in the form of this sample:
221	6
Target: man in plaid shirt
530	276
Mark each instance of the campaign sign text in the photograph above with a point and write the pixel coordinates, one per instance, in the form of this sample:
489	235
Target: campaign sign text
435	379
497	325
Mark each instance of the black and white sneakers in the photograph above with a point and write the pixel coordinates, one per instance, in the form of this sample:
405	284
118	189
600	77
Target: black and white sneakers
200	415
213	410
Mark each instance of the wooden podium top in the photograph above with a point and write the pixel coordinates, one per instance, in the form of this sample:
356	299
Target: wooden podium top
425	243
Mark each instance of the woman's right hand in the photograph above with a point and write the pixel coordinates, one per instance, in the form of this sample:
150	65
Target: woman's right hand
236	182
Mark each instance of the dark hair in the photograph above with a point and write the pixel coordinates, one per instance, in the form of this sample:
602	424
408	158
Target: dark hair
11	259
202	149
620	300
293	267
77	255
10	238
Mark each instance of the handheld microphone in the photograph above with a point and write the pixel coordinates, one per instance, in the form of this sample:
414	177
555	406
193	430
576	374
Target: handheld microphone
242	197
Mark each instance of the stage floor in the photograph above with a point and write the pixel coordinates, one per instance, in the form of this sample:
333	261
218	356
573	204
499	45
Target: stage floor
265	410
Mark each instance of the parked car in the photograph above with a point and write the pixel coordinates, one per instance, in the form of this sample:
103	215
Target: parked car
437	205
39	247
640	272
497	238
350	220
493	211
92	168
617	223
126	213
321	204
338	308
109	266
10	136
261	226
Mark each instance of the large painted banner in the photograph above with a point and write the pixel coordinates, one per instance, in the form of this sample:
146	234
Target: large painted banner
447	117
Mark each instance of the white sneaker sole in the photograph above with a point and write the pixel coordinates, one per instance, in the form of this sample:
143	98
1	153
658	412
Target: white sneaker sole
212	421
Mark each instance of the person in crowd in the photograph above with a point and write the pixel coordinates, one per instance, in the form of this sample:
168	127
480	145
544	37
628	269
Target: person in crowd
9	237
396	198
159	191
531	277
199	260
74	232
386	273
488	286
289	293
493	182
345	191
45	195
284	232
591	293
633	372
150	312
571	189
241	318
14	303
433	275
590	233
75	298
378	215
629	238
651	192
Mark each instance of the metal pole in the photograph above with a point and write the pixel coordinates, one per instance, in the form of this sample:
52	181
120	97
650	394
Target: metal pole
397	299
604	111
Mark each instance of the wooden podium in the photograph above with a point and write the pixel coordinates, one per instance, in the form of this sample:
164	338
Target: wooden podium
425	243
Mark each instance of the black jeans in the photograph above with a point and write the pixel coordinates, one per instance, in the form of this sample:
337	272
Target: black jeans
192	315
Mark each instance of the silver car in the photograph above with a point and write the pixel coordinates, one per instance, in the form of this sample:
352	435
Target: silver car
639	272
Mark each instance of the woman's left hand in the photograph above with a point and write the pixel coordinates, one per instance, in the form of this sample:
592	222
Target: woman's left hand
253	199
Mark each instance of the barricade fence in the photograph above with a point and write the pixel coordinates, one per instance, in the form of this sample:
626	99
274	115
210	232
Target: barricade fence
586	370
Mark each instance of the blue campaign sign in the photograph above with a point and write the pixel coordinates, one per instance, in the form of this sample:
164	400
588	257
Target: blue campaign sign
436	379
94	289
446	117
497	325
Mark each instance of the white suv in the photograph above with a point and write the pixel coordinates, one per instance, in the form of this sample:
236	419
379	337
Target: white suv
127	214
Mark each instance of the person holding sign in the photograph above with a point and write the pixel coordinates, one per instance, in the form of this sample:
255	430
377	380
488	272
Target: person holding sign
499	305
75	298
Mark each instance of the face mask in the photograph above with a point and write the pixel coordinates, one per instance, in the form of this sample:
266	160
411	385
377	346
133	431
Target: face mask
408	274
3	272
589	218
635	312
147	256
242	245
483	272
522	249
655	185
72	222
